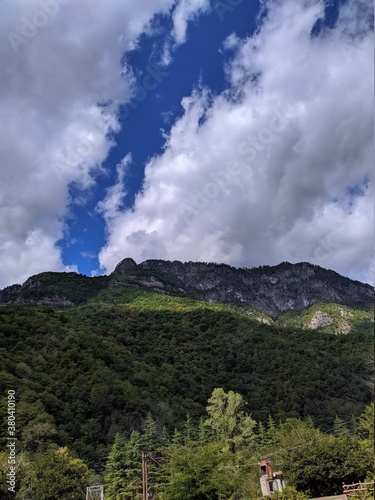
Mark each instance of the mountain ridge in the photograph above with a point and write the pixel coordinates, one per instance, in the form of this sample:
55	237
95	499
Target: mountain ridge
270	289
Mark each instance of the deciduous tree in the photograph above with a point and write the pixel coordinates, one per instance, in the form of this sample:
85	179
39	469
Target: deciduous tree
55	475
228	419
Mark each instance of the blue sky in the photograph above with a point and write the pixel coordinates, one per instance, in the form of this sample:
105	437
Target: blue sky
185	129
199	61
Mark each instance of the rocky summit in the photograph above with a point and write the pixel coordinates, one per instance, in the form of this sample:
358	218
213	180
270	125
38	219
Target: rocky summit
271	289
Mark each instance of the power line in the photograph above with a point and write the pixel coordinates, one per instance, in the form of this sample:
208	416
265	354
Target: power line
288	448
154	456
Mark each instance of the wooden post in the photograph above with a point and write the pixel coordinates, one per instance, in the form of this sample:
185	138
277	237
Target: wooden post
144	476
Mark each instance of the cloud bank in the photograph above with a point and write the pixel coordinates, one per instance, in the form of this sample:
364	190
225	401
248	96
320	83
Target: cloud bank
278	167
60	93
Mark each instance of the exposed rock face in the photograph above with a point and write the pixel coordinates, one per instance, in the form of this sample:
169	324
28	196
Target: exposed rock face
125	266
152	282
261	319
319	320
45	301
345	314
270	289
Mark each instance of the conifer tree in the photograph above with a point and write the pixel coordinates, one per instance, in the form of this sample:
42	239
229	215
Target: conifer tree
203	432
177	438
366	426
189	431
339	428
149	439
164	438
271	431
151	444
262	438
123	474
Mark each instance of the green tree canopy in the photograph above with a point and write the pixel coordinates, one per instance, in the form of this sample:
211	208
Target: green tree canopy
122	477
366	426
55	475
318	463
228	419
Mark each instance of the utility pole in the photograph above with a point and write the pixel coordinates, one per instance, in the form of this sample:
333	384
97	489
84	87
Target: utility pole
95	493
144	476
153	456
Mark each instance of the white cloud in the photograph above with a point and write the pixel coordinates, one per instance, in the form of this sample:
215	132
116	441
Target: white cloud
61	87
24	260
113	202
276	168
184	12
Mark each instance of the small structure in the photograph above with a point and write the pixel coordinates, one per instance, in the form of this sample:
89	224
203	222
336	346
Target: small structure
358	490
270	481
95	492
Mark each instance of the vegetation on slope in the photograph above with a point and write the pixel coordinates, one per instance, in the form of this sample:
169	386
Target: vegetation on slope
84	374
335	318
97	383
213	459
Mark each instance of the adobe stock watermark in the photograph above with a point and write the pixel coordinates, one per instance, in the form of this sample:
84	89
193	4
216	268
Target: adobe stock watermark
11	445
324	246
72	155
247	150
351	48
30	26
223	6
301	146
329	242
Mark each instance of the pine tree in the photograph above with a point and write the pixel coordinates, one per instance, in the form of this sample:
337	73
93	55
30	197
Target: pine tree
262	438
366	426
152	444
150	439
203	432
177	438
271	431
189	432
164	438
340	429
123	474
115	477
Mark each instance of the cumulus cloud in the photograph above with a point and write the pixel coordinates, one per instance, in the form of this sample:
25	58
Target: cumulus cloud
61	88
113	202
277	167
184	12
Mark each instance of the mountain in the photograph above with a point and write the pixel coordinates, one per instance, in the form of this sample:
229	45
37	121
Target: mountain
90	357
270	289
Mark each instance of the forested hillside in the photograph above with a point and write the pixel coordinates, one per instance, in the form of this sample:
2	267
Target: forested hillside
100	373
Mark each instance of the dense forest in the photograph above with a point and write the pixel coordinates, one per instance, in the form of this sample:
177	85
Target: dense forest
98	383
